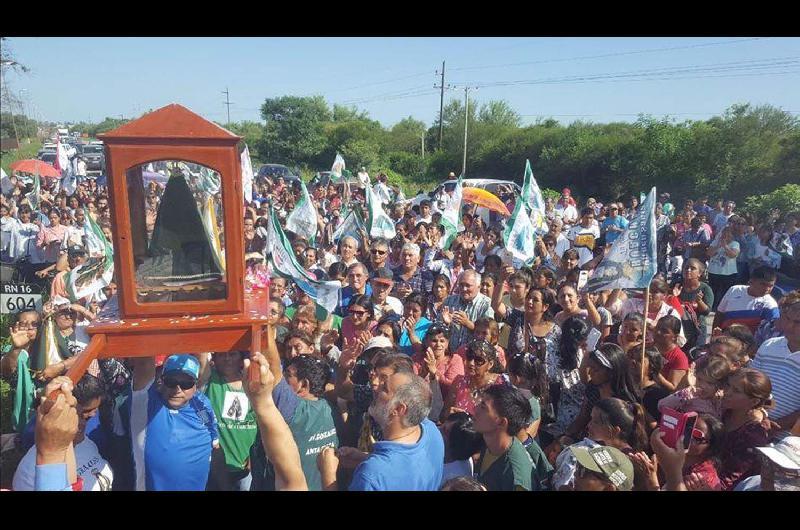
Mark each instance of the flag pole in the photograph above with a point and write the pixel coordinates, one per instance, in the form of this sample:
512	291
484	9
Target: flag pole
644	337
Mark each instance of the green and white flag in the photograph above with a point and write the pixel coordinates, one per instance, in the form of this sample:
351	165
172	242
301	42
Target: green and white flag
97	272
379	224
532	197
351	226
337	168
520	235
303	219
247	174
451	217
283	262
34	197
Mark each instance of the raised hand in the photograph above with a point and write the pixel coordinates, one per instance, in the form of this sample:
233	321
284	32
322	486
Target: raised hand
19	337
694	482
258	391
430	361
447	316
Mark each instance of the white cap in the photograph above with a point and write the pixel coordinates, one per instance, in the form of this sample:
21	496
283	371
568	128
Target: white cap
785	453
378	342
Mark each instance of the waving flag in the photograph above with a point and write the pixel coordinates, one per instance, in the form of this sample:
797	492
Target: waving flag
303	219
352	226
631	263
34	197
379	224
97	272
520	235
247	175
338	167
283	261
532	197
451	217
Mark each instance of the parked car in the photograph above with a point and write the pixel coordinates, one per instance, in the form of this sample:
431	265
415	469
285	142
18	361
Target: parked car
95	158
49	157
279	170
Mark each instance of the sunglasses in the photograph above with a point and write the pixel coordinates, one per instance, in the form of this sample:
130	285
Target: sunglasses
357	312
377	251
479	361
172	382
699	437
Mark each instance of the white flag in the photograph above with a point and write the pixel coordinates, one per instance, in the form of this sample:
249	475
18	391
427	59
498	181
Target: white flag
519	235
532	197
247	175
303	219
379	224
451	217
338	167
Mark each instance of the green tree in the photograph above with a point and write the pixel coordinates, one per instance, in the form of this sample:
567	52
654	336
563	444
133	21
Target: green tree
293	134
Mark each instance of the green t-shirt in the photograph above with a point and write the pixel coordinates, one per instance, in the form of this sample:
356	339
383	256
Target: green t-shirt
542	470
510	471
237	421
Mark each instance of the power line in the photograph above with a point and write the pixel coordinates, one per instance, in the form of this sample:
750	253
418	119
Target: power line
751	65
382	82
606	55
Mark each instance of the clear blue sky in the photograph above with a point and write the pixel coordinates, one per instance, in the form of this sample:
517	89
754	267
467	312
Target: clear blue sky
78	79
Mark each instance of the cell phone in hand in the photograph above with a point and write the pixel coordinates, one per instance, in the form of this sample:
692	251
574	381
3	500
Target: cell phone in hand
583	279
676	425
592	339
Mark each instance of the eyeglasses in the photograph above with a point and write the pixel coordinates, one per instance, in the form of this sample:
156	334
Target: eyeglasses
67	314
479	361
699	437
378	251
172	382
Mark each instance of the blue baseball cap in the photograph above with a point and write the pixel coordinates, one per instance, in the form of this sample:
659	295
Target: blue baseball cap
185	363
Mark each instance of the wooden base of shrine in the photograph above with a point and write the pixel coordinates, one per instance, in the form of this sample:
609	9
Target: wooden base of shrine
113	336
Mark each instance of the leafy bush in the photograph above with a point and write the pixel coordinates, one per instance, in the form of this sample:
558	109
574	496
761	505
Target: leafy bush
786	199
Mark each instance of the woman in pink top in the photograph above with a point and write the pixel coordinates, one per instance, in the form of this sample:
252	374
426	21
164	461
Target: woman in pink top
705	395
360	319
436	361
481	372
51	237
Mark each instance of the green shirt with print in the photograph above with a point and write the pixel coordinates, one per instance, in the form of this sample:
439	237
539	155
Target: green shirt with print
236	419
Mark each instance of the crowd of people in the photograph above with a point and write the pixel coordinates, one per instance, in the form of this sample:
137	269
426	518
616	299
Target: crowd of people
443	367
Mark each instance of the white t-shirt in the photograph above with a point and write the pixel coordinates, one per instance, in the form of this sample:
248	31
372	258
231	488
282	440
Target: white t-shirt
91	467
742	308
584	241
562	245
457	468
568	213
395	305
721	264
783	368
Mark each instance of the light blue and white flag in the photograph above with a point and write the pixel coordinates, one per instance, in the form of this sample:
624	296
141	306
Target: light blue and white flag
451	217
520	235
534	201
379	224
303	219
632	261
284	263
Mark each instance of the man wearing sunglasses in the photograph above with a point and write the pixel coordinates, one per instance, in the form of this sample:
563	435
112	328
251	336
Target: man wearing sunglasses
172	425
378	254
382	282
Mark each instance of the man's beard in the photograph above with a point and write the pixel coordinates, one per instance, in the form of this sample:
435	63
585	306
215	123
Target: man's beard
379	412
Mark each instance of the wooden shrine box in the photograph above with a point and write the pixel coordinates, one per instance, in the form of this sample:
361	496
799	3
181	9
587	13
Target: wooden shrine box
181	284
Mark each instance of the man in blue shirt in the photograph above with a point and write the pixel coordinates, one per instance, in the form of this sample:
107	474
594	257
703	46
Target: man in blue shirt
411	455
172	426
614	224
357	277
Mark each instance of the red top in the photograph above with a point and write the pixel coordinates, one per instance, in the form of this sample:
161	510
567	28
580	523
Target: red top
675	360
707	472
739	461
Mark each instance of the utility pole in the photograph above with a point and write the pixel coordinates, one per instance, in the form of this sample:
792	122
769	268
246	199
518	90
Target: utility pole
423	145
466	121
441	107
228	104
